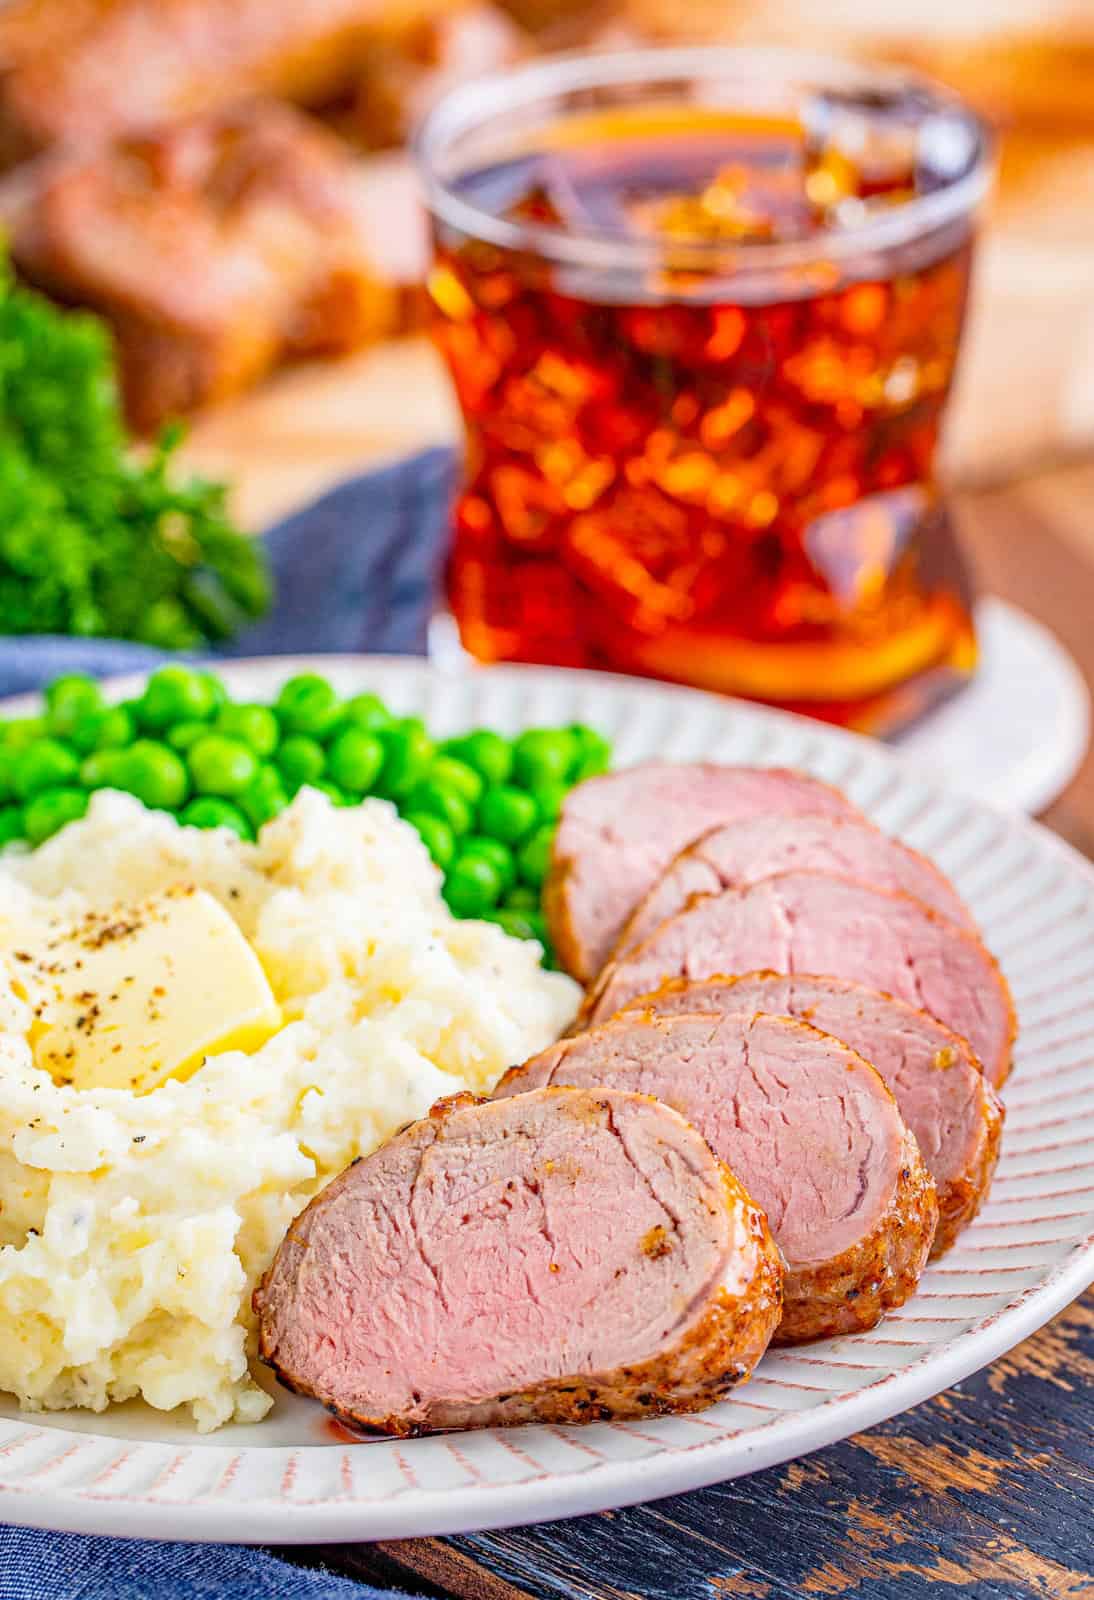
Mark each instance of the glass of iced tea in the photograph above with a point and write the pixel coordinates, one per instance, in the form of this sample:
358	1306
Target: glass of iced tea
702	309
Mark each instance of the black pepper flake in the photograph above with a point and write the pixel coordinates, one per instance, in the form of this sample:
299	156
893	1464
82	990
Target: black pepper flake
112	932
139	1138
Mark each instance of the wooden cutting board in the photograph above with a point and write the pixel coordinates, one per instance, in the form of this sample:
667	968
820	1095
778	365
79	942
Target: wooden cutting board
1025	391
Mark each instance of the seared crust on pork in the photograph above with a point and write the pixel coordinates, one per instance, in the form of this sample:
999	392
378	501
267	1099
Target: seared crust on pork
851	1293
389	1298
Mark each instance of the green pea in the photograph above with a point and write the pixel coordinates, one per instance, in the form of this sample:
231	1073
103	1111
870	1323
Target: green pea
543	755
175	694
220	766
254	726
590	766
25	731
83	731
521	899
518	924
155	774
73	705
436	835
8	761
103	769
486	751
495	852
433	797
265	797
300	760
408	752
51	809
334	794
472	886
46	764
507	813
594	753
459	777
209	812
355	759
184	734
308	704
549	798
117	727
216	689
534	856
366	712
12	825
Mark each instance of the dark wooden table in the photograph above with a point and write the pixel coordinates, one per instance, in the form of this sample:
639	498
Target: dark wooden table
985	1492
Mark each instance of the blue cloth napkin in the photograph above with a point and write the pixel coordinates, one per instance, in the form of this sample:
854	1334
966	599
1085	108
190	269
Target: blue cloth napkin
356	571
71	1566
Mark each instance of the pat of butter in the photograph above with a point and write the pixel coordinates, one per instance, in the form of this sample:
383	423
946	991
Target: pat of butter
144	993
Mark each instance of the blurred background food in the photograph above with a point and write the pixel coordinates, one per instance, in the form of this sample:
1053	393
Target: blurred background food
216	246
221	180
95	538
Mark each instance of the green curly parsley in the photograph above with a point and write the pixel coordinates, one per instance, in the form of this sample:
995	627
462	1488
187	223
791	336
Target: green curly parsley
95	539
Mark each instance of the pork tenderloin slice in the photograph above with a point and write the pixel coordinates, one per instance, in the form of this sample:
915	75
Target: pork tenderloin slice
562	1256
806	1125
812	922
617	834
741	853
937	1082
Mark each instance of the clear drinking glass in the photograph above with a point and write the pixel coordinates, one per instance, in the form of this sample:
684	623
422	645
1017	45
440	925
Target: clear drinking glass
702	309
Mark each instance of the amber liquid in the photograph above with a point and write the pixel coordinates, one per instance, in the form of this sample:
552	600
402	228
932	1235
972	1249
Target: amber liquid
733	493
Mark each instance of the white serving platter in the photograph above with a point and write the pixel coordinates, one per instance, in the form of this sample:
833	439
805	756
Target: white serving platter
137	1472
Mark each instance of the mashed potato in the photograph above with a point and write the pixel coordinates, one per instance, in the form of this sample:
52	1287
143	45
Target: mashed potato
133	1228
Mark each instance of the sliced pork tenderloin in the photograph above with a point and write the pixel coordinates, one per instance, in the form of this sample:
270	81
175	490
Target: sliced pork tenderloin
617	834
937	1082
811	922
561	1256
741	853
807	1126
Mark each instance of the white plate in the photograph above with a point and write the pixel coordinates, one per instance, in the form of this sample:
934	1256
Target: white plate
1017	734
138	1472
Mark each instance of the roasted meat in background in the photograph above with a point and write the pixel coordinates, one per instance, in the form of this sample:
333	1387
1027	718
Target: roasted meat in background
215	248
82	70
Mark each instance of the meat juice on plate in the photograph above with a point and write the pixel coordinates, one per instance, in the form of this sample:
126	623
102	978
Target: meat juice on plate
700	436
